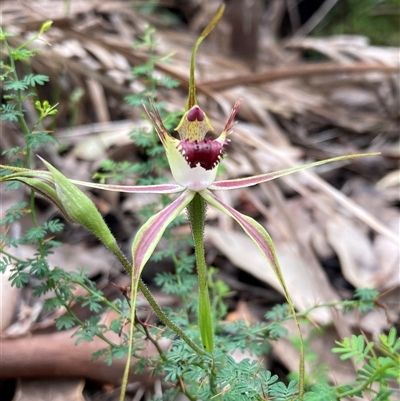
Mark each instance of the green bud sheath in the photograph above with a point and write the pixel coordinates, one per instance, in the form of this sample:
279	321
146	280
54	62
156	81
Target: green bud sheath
78	208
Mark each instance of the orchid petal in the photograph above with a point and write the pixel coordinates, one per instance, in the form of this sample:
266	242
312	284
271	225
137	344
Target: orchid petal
196	178
192	99
206	153
141	189
263	241
228	129
143	246
158	124
170	143
258	179
151	232
254	230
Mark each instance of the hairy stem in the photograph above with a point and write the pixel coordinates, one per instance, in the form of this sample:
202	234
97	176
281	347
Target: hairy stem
196	212
286	293
155	306
125	377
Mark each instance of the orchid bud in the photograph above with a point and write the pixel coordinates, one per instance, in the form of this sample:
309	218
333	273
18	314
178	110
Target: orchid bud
73	203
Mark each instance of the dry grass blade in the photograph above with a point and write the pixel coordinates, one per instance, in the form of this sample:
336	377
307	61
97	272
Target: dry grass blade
302	71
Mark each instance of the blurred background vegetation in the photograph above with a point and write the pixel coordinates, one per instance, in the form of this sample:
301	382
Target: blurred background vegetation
379	20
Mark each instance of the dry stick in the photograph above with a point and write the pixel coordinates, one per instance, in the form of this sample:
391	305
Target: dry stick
307	70
57	355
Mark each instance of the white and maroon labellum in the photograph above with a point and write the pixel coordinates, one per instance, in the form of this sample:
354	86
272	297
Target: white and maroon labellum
206	153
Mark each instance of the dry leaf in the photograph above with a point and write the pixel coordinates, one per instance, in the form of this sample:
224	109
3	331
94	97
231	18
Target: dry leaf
391	179
301	282
9	296
388	258
340	372
354	249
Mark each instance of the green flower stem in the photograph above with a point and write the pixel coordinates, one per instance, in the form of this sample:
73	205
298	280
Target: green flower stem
196	212
125	378
154	305
165	319
192	99
298	328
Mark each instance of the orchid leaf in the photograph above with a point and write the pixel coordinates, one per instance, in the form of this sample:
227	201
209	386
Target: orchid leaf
258	179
